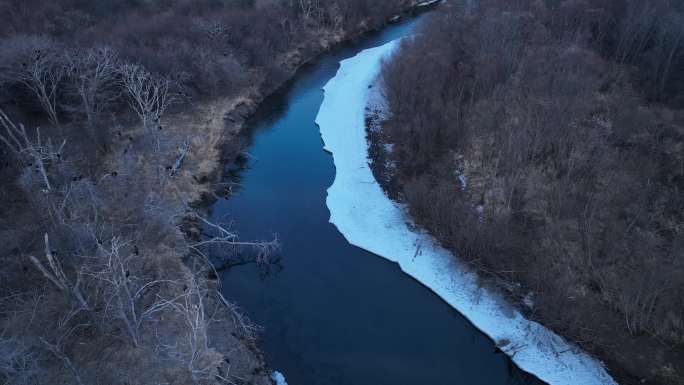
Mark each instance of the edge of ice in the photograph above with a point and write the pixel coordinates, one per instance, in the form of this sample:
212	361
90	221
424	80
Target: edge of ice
278	378
367	218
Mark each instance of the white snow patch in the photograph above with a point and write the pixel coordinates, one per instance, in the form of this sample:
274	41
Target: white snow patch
426	3
463	179
368	219
279	378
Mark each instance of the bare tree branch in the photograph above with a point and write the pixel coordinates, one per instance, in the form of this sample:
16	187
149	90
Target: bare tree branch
55	274
126	293
38	64
218	236
148	95
29	151
93	75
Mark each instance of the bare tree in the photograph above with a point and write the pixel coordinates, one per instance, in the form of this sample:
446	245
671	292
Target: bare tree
148	95
93	75
30	152
38	64
193	348
126	290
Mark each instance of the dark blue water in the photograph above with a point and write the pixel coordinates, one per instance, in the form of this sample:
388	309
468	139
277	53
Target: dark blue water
336	314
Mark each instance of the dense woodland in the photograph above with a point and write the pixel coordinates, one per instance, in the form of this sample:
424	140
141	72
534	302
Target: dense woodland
207	46
543	142
108	138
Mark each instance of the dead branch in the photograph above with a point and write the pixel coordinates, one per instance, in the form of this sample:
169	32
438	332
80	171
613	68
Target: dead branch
30	152
248	329
219	236
182	153
55	274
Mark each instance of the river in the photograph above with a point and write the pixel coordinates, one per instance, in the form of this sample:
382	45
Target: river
334	314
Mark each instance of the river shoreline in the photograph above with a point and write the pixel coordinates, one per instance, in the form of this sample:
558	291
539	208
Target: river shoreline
227	117
223	121
368	219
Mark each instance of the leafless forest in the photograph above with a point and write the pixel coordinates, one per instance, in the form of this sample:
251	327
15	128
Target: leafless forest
543	141
111	118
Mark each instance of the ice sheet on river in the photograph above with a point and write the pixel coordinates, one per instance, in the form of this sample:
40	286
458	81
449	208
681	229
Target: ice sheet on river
368	219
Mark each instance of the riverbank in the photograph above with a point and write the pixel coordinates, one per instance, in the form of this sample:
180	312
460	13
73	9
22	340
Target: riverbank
333	313
218	139
223	120
369	219
541	169
143	205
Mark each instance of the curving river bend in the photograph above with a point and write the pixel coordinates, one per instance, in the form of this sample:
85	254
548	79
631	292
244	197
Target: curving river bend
335	314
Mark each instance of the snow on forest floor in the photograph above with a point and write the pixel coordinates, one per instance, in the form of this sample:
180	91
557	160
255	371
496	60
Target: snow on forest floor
370	220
